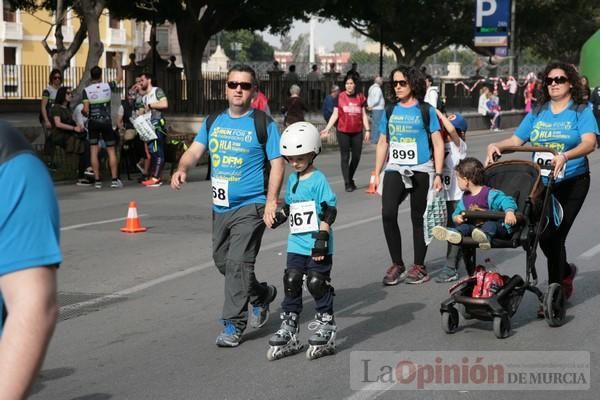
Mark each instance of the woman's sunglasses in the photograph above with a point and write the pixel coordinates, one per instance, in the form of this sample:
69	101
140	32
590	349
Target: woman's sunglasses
559	80
401	83
57	77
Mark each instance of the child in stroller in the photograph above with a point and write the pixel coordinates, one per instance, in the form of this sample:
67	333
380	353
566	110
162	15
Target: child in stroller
522	179
477	196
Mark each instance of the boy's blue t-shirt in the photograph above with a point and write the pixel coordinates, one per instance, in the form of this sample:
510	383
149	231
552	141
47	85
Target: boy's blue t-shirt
29	217
314	188
238	157
406	126
561	132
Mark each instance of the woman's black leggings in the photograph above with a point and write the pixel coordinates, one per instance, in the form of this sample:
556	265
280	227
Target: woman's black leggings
571	195
349	142
394	193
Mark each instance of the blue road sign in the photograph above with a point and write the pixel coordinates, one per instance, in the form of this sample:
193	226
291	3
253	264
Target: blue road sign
492	23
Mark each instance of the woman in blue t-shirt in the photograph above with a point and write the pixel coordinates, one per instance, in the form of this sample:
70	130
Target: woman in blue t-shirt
415	160
561	122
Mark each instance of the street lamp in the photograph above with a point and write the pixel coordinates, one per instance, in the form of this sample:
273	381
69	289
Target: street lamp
235	47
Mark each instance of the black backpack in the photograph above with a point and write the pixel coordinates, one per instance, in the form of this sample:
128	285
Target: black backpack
578	108
261	121
389	108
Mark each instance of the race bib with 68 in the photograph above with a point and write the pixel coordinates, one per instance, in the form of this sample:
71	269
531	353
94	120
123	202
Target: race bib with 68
404	153
220	192
303	217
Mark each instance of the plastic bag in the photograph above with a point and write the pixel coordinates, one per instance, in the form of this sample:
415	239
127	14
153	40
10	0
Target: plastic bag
436	213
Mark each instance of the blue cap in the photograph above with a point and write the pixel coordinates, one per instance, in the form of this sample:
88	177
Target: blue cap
459	122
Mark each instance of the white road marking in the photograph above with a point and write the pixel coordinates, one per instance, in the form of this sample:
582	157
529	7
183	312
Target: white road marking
106	221
187	271
591	252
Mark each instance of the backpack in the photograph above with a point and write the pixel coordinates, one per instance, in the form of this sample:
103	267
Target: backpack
389	108
487	283
261	121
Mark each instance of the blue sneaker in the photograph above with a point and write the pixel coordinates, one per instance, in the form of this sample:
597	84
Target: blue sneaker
231	335
259	315
447	274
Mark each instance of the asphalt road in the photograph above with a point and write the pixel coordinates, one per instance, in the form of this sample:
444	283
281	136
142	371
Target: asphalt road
139	313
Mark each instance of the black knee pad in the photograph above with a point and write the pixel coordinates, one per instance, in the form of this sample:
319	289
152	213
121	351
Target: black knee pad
318	284
292	282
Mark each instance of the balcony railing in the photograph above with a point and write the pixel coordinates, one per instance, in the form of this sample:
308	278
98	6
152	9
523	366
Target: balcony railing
11	31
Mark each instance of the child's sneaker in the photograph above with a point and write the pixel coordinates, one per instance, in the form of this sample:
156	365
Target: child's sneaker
394	275
259	315
98	184
231	335
567	283
116	183
482	238
417	274
447	274
445	234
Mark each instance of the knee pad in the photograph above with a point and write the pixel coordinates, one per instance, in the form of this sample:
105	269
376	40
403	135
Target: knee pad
318	284
292	282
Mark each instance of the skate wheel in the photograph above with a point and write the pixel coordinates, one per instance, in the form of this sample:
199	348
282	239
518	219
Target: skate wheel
554	305
502	327
272	353
450	320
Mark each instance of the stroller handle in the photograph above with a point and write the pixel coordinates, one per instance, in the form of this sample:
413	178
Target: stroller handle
525	149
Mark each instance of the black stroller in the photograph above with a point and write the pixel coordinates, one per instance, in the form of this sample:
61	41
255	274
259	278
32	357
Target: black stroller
522	180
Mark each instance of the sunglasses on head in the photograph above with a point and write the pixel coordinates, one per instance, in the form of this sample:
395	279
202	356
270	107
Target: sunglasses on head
557	79
402	83
243	85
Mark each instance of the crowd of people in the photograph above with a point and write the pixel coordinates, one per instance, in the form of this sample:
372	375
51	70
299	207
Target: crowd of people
100	125
420	152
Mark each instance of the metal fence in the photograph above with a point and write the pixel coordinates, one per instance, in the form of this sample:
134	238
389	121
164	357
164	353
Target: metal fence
26	82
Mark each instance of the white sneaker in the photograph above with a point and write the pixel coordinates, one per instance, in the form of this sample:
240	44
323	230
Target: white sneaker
98	184
482	238
116	183
445	234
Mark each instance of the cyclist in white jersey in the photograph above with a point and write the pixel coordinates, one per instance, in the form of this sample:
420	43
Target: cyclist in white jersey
96	106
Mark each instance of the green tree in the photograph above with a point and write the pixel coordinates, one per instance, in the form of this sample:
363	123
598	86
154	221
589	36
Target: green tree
341	47
286	42
253	47
300	48
362	57
557	29
412	30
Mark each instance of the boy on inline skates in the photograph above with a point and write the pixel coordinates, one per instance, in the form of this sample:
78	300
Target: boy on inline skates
310	205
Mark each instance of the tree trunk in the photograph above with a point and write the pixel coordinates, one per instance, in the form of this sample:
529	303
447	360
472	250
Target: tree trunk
192	42
91	11
61	55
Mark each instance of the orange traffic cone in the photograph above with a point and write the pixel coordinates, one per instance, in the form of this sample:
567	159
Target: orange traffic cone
372	189
132	224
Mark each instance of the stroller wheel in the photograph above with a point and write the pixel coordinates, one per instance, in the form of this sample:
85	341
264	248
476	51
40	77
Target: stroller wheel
554	305
502	327
450	320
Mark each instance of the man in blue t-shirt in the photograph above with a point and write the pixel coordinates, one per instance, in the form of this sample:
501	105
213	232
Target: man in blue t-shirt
30	249
240	208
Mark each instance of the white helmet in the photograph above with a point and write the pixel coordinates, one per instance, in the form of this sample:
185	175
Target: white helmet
300	138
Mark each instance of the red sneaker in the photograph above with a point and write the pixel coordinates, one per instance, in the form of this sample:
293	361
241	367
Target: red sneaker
394	275
567	283
417	274
152	182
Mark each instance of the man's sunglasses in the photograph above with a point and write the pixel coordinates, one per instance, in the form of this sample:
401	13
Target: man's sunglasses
559	80
401	83
243	85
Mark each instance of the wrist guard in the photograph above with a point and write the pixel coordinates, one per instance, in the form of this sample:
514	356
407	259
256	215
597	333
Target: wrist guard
281	216
329	213
321	244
